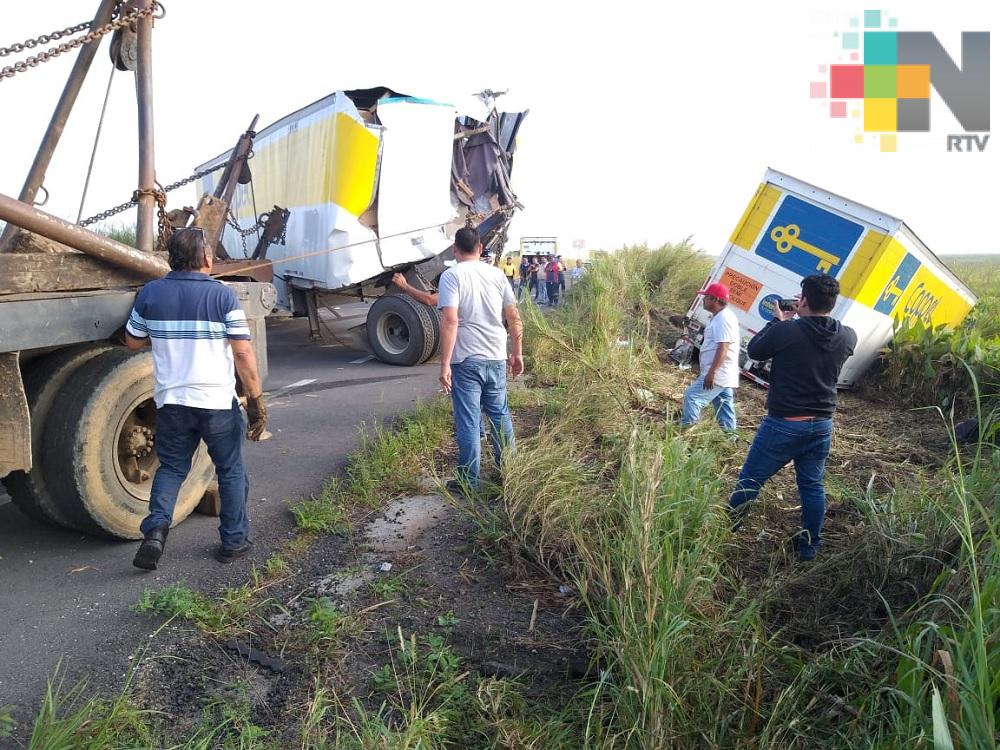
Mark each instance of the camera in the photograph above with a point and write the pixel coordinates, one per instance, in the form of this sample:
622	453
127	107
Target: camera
787	304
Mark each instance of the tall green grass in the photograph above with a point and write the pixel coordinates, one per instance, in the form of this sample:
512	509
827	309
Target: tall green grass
609	496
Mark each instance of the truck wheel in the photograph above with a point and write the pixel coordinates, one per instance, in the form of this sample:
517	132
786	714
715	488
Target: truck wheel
43	380
400	330
103	454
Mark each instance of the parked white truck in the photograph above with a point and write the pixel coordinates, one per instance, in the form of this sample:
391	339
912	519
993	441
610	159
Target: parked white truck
376	182
792	229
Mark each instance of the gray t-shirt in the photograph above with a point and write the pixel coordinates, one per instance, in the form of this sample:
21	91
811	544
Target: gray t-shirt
480	292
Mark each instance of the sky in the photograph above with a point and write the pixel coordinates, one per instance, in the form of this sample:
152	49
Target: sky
649	122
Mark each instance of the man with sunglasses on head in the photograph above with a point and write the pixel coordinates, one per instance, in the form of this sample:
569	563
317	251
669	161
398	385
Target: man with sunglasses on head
199	335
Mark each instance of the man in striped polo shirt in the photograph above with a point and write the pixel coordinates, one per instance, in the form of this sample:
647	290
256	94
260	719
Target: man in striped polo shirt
198	333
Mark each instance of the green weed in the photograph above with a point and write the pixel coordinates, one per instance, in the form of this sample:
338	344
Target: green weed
228	724
324	513
276	566
388	587
233	612
328	625
447	620
7	722
71	719
389	462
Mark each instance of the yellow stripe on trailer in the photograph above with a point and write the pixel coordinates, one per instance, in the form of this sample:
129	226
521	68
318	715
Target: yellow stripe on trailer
288	175
868	275
755	216
350	180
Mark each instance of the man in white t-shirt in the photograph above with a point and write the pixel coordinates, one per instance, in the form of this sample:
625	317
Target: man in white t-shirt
718	361
476	301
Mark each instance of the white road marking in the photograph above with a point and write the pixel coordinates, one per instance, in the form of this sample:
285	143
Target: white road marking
362	360
297	384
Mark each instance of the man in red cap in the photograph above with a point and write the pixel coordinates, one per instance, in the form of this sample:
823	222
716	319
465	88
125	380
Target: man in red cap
718	362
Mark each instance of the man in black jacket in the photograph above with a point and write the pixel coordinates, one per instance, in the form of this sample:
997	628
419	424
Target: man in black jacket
806	356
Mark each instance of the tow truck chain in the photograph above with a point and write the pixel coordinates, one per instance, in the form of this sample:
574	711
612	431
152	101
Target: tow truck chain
43	39
164	228
42	57
232	221
132	203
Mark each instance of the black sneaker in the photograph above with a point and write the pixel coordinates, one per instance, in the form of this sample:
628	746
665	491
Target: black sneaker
805	550
226	554
151	548
807	554
736	516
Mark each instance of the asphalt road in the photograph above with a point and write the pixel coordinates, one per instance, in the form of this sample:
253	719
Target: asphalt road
67	597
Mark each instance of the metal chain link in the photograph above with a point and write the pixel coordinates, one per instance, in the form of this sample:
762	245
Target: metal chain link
42	57
126	206
232	221
43	39
164	227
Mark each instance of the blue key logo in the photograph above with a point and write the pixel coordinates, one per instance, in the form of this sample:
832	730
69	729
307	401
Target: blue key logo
807	239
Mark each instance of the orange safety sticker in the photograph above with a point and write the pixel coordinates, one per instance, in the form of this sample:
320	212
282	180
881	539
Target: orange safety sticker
742	289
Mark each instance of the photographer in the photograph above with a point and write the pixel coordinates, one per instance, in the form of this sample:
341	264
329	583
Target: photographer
806	356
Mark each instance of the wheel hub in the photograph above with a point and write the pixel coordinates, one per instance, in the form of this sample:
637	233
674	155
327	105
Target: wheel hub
136	445
393	333
139	441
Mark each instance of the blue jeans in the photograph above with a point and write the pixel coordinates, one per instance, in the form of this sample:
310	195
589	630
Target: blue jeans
480	385
777	442
697	398
179	429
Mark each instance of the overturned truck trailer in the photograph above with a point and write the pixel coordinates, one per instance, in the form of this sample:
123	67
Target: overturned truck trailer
376	182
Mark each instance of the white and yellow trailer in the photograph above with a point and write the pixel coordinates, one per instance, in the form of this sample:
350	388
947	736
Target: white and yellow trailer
792	229
376	183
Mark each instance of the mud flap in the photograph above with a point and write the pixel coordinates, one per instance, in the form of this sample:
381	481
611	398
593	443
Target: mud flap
15	424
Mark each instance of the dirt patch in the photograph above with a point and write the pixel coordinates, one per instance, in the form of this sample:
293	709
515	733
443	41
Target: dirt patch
404	521
503	624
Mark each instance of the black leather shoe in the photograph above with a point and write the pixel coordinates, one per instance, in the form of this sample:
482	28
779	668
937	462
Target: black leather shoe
151	548
227	554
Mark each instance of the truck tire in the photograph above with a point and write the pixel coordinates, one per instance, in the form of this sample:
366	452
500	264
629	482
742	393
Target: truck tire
43	381
436	322
400	330
102	448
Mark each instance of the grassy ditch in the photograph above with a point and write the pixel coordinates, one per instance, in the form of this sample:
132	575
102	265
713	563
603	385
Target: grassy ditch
694	656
